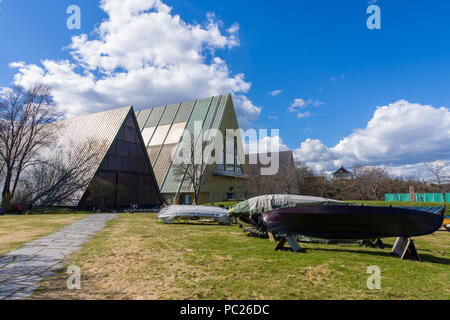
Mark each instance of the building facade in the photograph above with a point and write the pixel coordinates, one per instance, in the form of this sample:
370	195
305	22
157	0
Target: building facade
342	174
122	174
162	130
285	181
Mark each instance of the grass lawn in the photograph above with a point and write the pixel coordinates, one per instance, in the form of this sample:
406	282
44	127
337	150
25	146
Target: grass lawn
136	257
17	230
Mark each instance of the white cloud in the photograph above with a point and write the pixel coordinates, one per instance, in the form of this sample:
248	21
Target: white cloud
234	29
400	136
265	145
300	104
276	93
142	55
302	115
336	78
245	110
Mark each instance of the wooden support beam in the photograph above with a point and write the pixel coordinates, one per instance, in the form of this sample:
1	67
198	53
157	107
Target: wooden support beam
294	246
404	248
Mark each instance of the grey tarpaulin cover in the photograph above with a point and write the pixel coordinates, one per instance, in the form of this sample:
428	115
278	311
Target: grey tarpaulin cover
170	213
273	201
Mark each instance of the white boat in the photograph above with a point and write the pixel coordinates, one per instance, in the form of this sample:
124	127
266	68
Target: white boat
178	212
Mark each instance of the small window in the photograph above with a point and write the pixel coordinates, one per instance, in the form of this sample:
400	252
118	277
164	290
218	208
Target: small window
231	196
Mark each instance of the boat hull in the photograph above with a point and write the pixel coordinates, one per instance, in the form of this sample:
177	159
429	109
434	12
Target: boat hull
446	221
352	222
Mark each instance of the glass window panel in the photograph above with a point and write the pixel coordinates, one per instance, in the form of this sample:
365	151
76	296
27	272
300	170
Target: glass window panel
129	122
123	148
147	135
130	193
184	111
176	132
130	134
142	118
159	136
135	151
152	153
229	145
169	114
155	116
115	163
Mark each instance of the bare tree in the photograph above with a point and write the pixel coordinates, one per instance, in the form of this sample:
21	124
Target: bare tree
358	174
371	182
287	179
440	173
252	184
58	180
191	168
375	179
24	115
310	183
324	184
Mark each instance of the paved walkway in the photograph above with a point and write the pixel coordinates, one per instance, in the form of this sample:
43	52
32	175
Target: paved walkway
22	270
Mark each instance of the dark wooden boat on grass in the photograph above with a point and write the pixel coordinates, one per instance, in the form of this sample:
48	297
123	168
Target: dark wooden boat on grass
350	222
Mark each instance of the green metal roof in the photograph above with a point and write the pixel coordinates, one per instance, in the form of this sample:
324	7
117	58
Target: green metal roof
209	111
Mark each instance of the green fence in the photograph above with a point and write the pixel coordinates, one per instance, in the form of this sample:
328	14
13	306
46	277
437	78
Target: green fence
420	197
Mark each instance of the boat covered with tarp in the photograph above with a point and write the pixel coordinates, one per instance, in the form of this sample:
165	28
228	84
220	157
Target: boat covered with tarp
173	213
250	210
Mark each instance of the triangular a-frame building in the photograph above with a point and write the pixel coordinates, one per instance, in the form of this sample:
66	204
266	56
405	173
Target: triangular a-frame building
162	130
122	161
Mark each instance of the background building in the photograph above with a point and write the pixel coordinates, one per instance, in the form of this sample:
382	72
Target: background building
284	182
342	173
162	129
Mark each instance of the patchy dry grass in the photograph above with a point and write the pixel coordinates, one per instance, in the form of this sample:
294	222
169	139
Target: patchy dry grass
136	257
17	230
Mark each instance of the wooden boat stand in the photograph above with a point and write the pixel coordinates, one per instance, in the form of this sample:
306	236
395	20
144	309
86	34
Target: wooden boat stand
378	243
404	248
294	246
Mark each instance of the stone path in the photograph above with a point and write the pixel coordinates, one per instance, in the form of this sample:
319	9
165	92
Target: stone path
21	270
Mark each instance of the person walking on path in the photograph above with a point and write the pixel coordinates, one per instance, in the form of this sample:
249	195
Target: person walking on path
2	211
20	208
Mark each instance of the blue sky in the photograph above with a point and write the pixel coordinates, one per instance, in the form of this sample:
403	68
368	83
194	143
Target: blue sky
318	51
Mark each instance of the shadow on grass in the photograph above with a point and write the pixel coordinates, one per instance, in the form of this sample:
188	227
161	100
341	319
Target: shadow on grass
375	253
198	224
55	288
424	257
434	259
